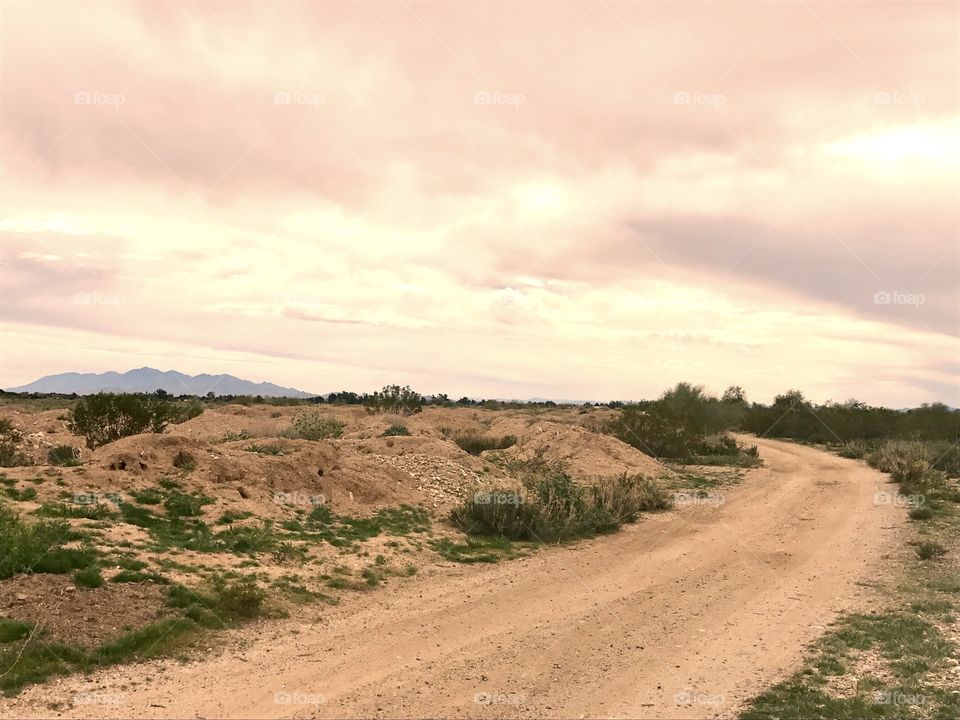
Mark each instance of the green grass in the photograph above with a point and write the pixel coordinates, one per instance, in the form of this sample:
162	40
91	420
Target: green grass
85	511
21	495
38	661
475	550
11	630
178	504
910	646
38	546
137	576
149	496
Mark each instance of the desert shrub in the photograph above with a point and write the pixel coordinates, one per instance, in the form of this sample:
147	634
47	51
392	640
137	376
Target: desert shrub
63	455
314	426
180	504
8	432
475	443
12	630
37	547
552	507
928	550
241	598
10	455
88	578
500	512
395	429
184	461
625	496
394	399
107	417
854	449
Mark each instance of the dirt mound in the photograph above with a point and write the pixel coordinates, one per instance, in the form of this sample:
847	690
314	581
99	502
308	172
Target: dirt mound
586	454
41	431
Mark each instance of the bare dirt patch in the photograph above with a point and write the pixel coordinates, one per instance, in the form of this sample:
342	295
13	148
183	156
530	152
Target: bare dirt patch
80	616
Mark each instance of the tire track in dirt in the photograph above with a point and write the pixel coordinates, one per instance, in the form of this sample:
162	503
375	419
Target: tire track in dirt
683	615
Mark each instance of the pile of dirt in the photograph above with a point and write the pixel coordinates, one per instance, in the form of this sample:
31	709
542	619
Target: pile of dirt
242	479
356	474
586	454
443	482
41	431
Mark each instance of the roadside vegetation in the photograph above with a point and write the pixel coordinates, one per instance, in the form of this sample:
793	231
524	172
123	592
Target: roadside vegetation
687	425
550	506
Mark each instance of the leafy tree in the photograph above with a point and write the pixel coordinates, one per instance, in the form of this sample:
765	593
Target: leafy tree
106	417
394	399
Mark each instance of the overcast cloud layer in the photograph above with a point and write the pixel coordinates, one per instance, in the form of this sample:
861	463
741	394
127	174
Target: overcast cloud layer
569	200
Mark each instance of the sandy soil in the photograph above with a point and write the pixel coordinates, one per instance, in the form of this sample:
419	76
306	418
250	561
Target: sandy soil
686	614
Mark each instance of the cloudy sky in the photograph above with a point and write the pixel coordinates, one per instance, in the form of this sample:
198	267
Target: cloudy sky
586	200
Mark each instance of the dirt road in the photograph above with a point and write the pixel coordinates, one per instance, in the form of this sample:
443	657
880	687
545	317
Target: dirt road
684	615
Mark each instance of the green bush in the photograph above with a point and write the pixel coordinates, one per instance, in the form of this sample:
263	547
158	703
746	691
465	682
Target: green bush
394	399
927	550
626	496
88	578
63	455
474	443
107	417
314	426
394	430
551	507
180	504
241	598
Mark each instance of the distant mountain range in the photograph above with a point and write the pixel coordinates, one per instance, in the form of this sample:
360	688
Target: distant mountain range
149	380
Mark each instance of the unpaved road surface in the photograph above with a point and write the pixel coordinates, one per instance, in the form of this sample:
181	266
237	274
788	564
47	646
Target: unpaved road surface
685	615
